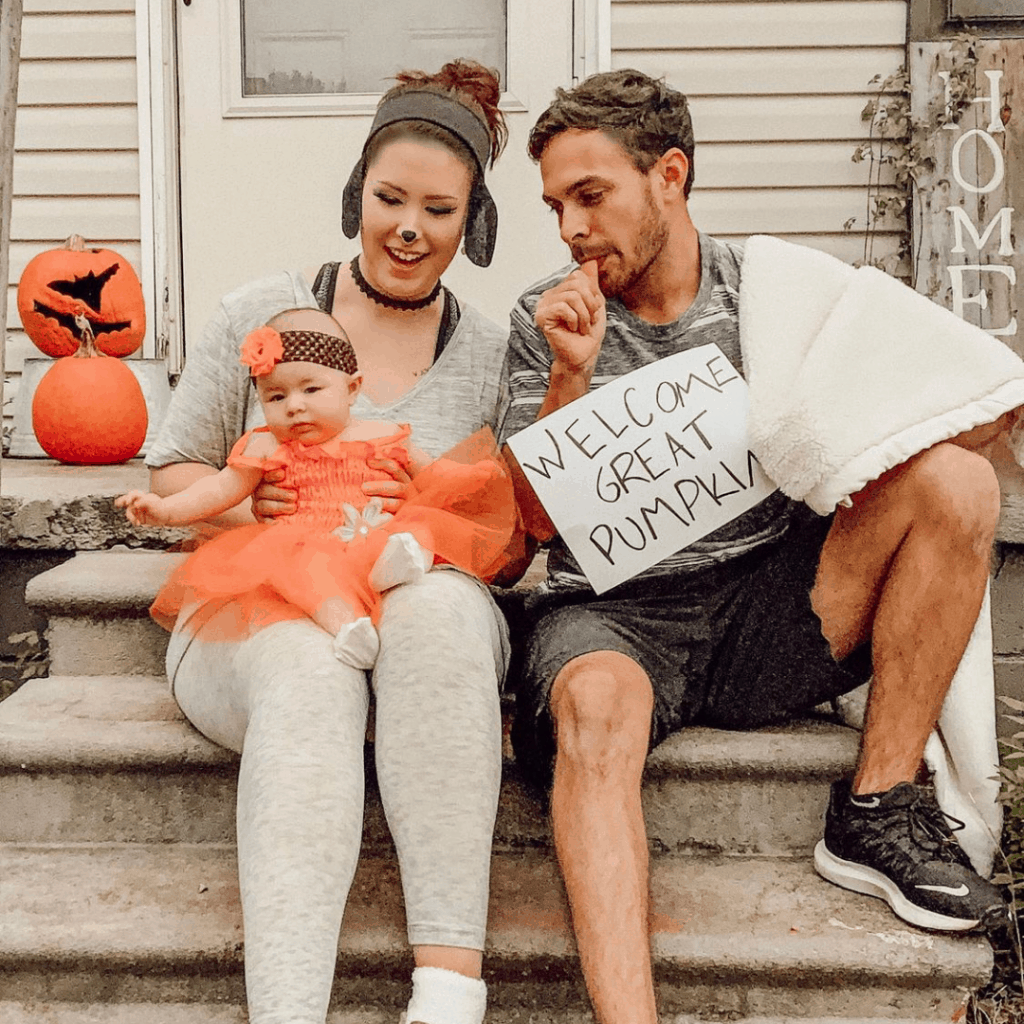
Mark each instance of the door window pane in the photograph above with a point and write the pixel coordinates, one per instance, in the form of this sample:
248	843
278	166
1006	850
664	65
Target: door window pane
356	46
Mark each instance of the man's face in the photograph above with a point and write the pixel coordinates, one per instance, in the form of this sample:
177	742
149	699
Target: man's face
606	207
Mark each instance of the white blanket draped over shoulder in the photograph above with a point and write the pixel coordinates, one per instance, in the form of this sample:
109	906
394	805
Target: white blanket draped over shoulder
851	373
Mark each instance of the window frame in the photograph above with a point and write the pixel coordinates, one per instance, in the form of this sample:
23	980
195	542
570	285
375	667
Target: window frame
929	20
358	104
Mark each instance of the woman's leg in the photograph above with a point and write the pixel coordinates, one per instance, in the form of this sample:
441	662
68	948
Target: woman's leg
438	752
299	718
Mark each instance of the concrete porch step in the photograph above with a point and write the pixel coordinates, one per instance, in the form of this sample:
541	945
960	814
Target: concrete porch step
212	1013
97	605
111	759
730	936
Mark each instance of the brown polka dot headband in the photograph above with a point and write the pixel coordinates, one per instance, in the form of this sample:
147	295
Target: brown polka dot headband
265	347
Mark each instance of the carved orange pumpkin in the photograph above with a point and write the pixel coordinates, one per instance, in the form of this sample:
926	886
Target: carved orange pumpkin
89	408
59	283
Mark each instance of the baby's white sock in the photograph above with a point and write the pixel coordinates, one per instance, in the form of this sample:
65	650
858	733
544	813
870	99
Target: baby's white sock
445	997
357	644
403	560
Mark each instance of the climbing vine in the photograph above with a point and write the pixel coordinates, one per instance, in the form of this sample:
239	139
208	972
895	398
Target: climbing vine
900	153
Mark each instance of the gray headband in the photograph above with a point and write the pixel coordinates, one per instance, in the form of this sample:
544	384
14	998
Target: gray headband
449	114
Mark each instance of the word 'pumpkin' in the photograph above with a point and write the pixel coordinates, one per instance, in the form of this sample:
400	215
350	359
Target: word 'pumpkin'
60	283
89	408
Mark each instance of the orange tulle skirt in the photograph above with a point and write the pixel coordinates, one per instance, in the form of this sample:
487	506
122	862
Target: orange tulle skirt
461	508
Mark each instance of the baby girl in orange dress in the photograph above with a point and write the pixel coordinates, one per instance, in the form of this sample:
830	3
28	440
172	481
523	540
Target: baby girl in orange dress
338	552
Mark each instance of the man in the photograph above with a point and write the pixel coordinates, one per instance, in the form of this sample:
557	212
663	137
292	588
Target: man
768	616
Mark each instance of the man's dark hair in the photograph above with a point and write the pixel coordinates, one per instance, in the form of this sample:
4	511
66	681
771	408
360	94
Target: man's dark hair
642	114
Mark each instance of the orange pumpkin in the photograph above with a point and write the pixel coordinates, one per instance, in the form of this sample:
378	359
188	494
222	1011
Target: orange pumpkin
60	283
89	408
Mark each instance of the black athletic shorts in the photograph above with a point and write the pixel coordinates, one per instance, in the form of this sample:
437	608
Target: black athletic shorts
734	646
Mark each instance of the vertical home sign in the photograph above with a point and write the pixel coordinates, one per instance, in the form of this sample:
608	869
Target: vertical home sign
969	211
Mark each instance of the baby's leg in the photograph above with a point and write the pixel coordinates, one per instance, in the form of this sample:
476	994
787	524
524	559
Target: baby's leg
404	560
336	603
355	638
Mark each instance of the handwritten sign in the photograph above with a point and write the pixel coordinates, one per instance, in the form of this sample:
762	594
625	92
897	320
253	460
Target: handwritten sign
646	464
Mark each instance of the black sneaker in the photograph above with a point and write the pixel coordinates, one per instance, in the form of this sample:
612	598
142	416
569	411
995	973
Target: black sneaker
900	847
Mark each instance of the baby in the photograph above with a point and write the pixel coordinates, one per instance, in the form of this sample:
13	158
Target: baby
338	552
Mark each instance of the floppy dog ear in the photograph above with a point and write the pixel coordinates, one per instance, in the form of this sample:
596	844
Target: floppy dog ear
352	201
481	225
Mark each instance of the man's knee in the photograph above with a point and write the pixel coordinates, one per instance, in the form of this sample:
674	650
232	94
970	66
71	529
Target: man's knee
957	491
601	704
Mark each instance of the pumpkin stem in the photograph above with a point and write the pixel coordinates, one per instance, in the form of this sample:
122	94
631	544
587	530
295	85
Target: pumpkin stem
87	349
76	243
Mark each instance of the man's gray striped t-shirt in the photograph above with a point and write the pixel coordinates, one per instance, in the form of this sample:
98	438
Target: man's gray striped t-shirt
629	344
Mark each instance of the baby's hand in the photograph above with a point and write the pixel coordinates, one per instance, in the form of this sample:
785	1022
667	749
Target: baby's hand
142	509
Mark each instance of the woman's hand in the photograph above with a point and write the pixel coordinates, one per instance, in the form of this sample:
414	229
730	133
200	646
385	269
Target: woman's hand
270	501
392	492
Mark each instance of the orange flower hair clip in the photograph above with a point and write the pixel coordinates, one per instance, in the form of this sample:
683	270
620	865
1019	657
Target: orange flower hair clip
262	350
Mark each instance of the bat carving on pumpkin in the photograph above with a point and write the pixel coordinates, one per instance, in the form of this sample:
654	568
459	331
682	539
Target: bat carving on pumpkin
89	290
60	284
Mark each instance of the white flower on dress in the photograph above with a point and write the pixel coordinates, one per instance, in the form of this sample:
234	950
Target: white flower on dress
359	523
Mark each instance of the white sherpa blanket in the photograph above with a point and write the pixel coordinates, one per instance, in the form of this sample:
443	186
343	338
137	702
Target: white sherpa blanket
851	373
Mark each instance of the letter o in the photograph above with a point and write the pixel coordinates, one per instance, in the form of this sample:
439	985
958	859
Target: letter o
672	391
997	157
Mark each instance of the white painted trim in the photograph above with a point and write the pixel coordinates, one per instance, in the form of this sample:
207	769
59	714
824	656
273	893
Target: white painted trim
592	38
158	171
234	104
146	212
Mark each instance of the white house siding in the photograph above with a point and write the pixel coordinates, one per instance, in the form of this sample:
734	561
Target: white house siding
76	162
777	89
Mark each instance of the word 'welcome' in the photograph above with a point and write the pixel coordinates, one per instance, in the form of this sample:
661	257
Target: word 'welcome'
646	464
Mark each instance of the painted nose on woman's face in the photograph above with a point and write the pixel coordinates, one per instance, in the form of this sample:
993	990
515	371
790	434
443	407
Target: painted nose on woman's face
408	235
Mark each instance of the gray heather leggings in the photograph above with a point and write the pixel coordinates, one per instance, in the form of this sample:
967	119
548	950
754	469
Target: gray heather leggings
298	717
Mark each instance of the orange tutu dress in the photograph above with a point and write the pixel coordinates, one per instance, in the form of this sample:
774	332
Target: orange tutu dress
461	507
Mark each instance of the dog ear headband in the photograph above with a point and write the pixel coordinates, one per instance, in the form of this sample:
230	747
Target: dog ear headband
415	105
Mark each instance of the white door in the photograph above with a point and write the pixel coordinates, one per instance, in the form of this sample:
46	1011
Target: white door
263	164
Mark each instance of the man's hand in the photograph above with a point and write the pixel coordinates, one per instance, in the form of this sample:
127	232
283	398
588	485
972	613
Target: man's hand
270	501
572	317
143	509
981	437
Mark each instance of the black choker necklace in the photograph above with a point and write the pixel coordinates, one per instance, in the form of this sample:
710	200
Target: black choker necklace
386	300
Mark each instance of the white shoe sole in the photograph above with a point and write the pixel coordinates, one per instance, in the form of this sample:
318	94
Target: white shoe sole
870	882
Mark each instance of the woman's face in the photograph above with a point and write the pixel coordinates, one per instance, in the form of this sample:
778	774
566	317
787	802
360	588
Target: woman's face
415	199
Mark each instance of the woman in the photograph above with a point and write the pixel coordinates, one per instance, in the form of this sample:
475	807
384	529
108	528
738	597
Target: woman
297	715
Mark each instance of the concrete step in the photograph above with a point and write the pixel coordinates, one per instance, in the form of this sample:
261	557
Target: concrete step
110	759
97	605
212	1013
135	923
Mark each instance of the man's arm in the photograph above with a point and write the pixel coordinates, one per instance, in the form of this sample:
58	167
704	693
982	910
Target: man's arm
571	318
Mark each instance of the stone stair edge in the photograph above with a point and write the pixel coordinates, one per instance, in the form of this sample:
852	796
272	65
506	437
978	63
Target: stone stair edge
102	582
125	580
161	907
125	722
213	1013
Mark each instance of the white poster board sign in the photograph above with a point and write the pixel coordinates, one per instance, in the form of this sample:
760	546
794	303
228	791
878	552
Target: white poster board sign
646	464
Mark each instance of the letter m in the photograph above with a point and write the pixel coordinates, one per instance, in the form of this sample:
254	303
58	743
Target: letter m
961	221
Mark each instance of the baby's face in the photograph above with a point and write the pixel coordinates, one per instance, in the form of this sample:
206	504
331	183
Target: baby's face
307	402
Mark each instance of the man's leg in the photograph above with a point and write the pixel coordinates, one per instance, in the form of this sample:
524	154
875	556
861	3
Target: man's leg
906	567
602	704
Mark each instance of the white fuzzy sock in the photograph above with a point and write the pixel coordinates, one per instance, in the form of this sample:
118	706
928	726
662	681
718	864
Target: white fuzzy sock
445	997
